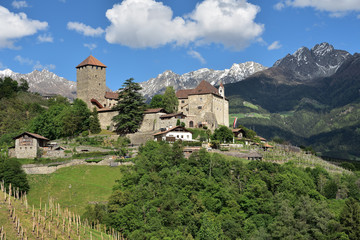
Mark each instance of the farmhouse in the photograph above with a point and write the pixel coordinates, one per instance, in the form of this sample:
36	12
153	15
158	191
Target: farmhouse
28	144
238	133
173	134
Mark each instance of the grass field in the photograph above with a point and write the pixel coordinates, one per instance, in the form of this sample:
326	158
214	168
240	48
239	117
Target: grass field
74	187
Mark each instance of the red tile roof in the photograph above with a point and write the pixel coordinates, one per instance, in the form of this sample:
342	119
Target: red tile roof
184	93
91	61
111	95
96	102
33	135
203	88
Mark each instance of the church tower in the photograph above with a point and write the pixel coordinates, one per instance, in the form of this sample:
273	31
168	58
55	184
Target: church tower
91	82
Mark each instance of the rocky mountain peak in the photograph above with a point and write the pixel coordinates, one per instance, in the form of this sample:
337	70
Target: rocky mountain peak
321	61
322	49
44	82
236	73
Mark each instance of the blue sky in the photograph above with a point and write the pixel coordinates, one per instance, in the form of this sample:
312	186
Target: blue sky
143	38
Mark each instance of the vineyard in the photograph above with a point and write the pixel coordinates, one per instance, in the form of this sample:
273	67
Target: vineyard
18	220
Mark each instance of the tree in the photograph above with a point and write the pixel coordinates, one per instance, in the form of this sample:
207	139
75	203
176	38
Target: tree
24	86
131	108
170	101
94	122
223	134
11	172
350	218
8	87
157	101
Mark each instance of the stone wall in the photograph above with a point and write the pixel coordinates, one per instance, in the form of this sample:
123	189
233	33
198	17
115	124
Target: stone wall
105	119
91	83
50	168
26	151
151	122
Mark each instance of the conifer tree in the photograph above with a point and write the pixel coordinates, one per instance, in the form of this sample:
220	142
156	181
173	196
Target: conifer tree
131	108
94	122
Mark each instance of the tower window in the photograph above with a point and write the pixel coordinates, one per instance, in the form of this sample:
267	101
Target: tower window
99	84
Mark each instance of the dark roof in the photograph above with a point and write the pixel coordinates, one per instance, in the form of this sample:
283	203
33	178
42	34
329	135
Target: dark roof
105	109
111	95
33	135
172	115
204	87
172	129
154	110
96	102
237	130
184	93
91	61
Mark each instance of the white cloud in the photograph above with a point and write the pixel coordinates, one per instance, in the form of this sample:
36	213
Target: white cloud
19	4
147	23
84	29
335	7
16	25
23	60
90	46
197	56
2	66
45	38
39	66
34	64
274	45
279	6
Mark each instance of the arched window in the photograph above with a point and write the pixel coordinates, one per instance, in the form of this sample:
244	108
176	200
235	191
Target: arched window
191	124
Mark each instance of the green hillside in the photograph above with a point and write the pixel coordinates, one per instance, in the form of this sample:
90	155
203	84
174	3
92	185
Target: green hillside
334	133
74	187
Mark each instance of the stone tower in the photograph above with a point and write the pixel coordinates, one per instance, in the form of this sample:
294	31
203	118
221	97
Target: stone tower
222	90
91	81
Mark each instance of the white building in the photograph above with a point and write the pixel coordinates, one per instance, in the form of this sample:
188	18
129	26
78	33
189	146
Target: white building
173	134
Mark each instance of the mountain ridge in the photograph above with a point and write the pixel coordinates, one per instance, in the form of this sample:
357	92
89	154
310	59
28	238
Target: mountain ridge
236	73
44	82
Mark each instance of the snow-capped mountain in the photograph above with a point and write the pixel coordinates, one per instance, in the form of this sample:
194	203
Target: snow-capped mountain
236	73
320	61
44	82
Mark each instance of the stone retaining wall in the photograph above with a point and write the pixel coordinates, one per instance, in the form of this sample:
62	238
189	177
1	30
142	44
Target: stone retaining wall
52	167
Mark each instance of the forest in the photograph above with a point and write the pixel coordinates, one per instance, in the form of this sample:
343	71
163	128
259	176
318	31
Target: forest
210	196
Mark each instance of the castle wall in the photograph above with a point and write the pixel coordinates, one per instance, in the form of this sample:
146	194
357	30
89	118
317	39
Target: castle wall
91	83
205	108
183	106
221	110
105	119
109	103
151	122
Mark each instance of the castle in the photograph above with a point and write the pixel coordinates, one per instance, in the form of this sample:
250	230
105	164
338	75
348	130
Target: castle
91	88
202	106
